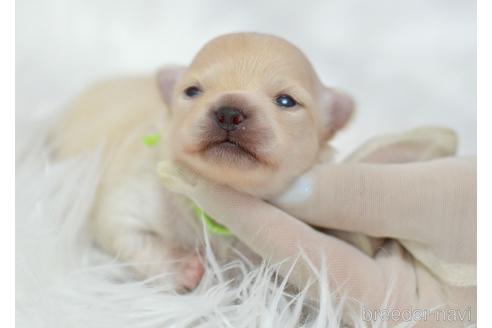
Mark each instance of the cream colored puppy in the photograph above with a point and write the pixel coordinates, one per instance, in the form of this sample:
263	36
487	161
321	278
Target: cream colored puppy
249	112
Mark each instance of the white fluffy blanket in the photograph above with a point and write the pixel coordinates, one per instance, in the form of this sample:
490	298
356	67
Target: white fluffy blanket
64	280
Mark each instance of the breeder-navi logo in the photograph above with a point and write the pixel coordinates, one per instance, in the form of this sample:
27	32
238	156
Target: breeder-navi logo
416	315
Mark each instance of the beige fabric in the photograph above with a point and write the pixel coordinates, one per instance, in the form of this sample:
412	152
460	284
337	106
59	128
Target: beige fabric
452	273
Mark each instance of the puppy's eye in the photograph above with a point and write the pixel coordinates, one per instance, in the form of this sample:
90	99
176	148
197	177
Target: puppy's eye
285	101
192	91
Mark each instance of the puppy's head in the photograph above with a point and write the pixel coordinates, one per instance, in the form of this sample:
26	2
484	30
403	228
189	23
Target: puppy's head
250	112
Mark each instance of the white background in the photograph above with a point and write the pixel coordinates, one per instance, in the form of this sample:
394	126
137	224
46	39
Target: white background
407	63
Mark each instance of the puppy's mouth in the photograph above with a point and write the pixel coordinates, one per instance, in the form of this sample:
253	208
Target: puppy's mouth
246	146
230	150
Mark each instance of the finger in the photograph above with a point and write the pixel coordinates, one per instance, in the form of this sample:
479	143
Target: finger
275	235
404	201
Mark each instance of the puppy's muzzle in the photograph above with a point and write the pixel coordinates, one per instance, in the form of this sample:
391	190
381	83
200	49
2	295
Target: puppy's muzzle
229	118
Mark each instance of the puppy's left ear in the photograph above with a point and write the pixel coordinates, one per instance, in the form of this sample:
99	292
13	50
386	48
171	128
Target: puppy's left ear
167	77
337	108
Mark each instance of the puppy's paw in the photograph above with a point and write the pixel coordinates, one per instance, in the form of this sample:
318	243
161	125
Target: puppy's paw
190	273
181	270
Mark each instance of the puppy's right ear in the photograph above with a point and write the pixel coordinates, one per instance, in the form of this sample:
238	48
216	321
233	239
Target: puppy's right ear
337	108
167	78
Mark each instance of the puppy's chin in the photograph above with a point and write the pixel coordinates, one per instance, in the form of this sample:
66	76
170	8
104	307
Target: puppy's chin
228	164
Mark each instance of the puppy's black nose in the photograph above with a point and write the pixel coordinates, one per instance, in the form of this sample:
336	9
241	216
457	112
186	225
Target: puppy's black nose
229	118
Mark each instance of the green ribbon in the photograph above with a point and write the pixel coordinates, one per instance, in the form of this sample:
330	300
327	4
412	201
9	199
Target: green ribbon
211	224
151	140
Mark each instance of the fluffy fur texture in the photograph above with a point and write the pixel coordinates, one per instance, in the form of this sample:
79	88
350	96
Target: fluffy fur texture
64	280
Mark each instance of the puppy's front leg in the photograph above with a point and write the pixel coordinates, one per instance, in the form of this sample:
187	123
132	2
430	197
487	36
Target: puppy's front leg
141	225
